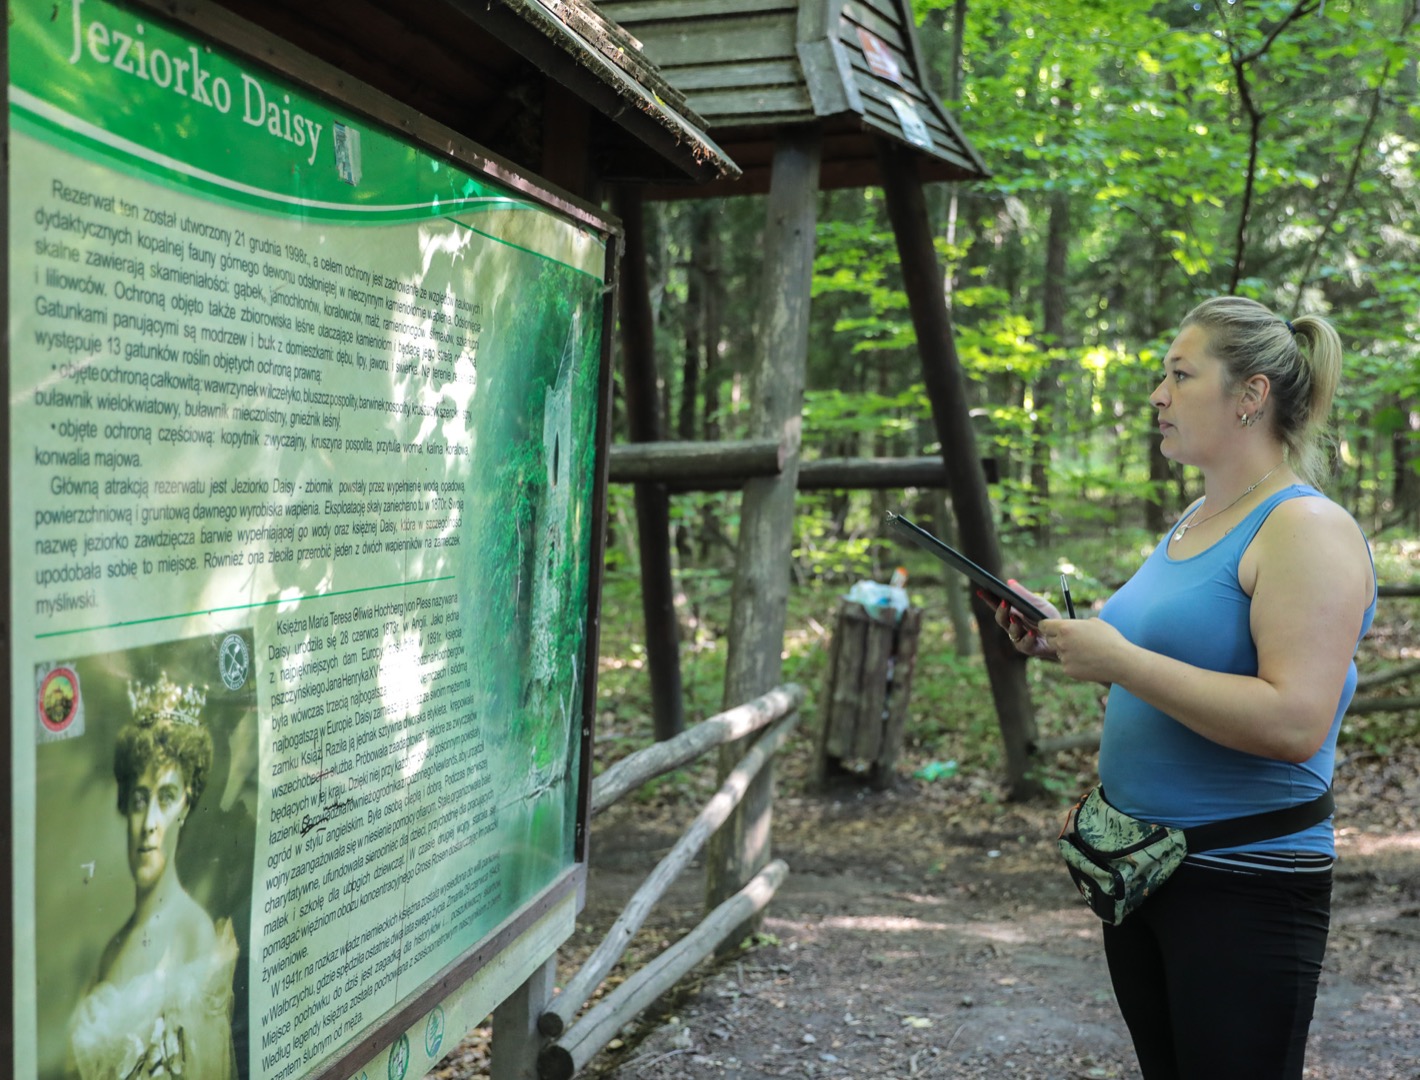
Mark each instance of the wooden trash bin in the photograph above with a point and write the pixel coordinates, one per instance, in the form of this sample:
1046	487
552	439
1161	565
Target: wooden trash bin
869	685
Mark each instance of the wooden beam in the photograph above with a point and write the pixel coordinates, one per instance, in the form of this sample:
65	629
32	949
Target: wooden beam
653	515
722	465
1081	740
1382	704
566	139
686	467
635	769
1398	590
759	595
872	474
1385	675
945	383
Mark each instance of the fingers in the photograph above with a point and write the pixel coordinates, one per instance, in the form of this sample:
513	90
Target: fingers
1005	614
1020	633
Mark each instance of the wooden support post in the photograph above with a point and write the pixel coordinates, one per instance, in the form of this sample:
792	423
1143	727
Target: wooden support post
760	593
653	514
946	389
516	1041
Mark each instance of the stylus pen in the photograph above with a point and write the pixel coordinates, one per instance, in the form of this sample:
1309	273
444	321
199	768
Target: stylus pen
1069	602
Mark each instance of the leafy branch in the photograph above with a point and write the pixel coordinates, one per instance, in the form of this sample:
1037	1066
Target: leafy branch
1377	98
1240	62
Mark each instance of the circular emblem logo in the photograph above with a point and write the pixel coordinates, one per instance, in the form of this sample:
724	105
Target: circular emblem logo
434	1032
399	1057
59	699
234	661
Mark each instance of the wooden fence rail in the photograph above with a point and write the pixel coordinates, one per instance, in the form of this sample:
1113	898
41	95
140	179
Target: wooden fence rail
555	1019
636	769
562	1059
577	1042
685	467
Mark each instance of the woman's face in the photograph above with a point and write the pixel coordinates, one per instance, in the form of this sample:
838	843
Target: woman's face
1197	412
157	808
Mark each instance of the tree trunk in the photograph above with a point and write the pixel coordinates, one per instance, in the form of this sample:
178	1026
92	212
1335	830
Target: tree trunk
1047	388
958	592
695	297
692	363
760	593
653	519
706	252
1405	490
1151	325
946	389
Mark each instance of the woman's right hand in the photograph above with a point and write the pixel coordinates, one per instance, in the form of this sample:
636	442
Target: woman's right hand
1023	635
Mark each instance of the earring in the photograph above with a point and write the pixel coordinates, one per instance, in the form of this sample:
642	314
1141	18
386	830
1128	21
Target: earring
1246	419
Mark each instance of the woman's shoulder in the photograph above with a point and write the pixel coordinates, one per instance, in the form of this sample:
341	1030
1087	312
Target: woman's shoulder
1311	537
1308	510
193	934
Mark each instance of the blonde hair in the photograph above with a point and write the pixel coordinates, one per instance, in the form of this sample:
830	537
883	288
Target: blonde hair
1301	359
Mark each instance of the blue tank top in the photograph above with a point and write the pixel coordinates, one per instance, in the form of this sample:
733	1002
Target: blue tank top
1155	768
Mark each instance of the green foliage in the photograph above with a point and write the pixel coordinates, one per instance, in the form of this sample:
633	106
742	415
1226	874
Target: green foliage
1122	130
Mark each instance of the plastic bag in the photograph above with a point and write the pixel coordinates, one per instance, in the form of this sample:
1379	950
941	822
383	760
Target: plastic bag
885	602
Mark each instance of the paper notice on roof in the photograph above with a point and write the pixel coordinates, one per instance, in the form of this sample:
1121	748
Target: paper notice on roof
913	127
880	57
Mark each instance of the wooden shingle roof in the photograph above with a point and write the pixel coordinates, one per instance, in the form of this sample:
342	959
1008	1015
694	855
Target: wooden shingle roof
522	78
747	67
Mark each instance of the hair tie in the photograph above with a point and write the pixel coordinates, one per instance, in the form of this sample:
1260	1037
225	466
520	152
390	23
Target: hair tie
1290	328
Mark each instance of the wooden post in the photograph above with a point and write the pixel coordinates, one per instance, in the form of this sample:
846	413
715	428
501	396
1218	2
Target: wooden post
760	593
653	513
946	389
516	1041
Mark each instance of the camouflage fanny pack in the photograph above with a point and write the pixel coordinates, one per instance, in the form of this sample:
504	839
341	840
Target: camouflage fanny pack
1117	861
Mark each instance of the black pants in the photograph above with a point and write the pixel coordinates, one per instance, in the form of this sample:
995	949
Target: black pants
1217	974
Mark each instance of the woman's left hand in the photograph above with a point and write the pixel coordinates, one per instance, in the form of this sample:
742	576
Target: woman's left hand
1089	649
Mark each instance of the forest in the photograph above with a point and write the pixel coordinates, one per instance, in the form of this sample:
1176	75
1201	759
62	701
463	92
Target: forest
1144	156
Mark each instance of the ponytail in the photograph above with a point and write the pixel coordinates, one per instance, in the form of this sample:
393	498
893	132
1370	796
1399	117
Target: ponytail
1309	443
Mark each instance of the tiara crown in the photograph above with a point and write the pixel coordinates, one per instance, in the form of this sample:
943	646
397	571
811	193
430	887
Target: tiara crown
166	700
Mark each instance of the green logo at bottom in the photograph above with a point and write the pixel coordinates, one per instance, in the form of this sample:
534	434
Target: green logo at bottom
434	1032
399	1058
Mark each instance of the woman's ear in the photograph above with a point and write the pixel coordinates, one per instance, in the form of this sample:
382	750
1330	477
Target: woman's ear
1255	392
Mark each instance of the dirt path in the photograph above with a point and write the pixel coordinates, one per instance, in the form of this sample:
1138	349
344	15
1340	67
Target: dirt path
921	934
926	932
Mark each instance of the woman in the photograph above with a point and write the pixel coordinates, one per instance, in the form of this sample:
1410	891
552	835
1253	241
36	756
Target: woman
161	1002
1230	662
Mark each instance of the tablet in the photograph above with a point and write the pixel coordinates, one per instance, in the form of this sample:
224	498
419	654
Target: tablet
986	581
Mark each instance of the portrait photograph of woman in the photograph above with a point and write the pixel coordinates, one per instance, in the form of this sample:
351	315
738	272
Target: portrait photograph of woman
144	840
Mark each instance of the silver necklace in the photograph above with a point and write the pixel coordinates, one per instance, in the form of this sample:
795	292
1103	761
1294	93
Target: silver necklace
1193	520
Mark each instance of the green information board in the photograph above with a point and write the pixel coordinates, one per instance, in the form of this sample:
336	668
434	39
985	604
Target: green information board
303	430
